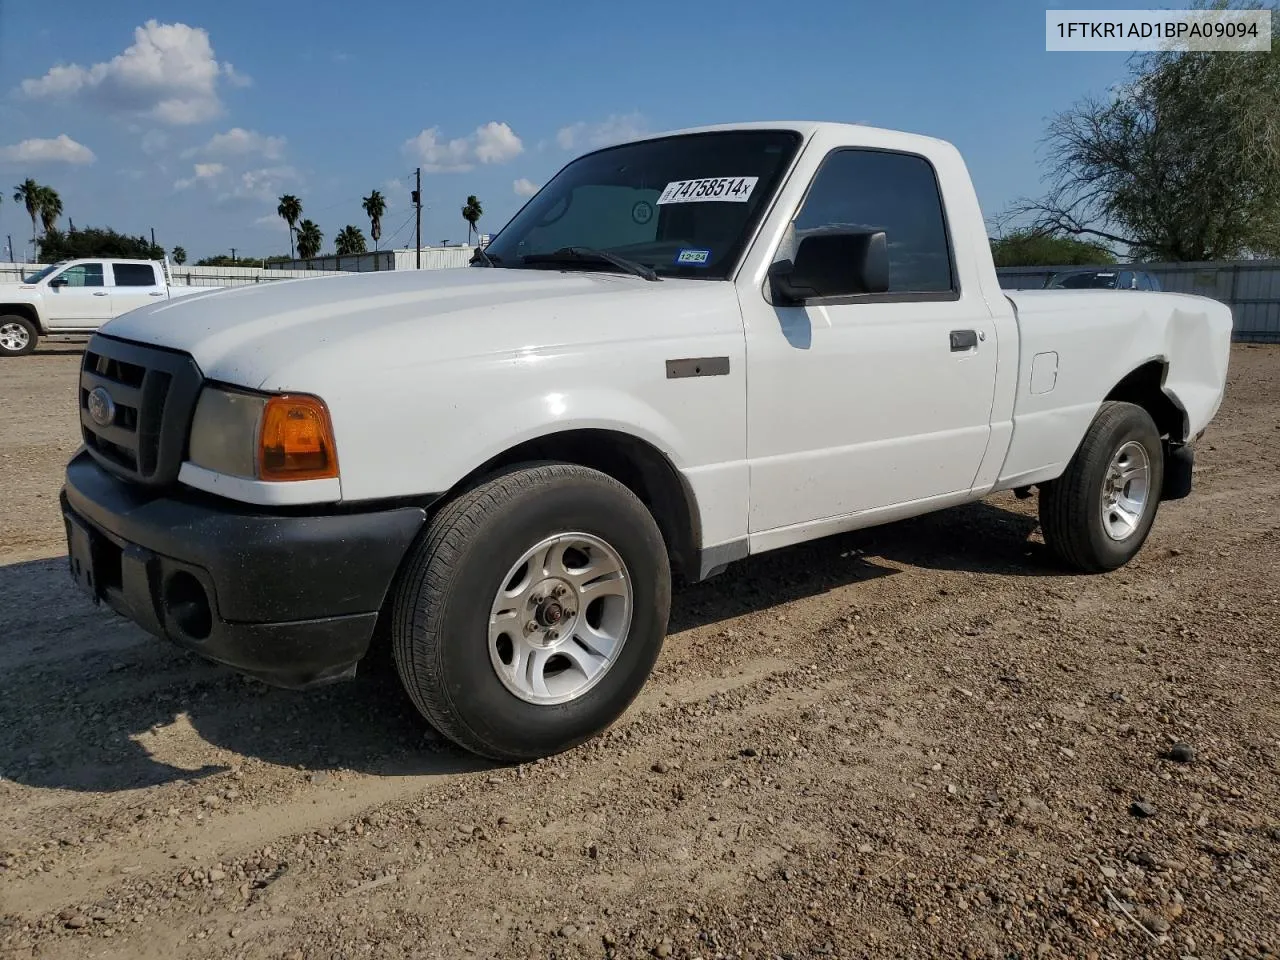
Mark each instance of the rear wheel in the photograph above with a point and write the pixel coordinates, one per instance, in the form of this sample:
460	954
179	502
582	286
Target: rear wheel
1097	515
18	335
532	611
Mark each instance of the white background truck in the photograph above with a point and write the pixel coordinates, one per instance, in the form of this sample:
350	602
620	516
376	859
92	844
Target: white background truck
77	296
682	351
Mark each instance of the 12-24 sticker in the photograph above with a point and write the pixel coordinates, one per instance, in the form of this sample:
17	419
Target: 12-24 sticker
709	189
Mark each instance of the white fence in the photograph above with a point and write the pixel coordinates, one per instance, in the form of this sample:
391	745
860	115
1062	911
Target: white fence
186	276
433	258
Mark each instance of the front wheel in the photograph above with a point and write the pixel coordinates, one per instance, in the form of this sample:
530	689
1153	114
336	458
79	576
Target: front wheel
18	335
532	611
1097	515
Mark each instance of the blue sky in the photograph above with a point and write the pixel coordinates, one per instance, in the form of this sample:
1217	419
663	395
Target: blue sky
192	118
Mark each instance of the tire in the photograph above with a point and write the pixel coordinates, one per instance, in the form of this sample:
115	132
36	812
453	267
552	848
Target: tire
18	336
1081	525
452	632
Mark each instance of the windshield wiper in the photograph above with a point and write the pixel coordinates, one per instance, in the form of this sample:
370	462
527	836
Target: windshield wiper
592	255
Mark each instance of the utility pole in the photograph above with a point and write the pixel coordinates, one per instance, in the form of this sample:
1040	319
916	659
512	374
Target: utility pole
233	255
417	206
153	236
9	237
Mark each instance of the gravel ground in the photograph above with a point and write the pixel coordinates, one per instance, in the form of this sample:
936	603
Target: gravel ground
921	740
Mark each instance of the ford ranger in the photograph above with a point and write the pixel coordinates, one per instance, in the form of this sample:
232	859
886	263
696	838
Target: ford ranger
76	297
682	351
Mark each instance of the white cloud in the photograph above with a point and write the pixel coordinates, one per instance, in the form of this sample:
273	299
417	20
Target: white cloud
492	142
271	221
153	141
170	73
201	171
262	185
616	128
497	143
239	142
61	149
524	187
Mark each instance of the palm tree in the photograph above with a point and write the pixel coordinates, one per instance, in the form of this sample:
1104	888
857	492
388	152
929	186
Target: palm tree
290	210
309	239
179	255
349	240
50	208
28	193
375	205
471	213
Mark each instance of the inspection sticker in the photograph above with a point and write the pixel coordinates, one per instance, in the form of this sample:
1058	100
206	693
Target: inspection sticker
693	258
722	189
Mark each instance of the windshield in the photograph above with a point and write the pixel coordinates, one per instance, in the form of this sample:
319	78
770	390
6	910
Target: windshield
1084	281
684	206
37	277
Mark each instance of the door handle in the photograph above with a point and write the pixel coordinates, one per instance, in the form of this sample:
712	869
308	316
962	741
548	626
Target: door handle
155	293
100	293
963	340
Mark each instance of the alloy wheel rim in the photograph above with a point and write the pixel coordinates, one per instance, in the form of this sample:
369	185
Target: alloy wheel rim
1126	487
560	618
14	336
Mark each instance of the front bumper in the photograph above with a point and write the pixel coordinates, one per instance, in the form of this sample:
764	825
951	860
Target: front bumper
290	598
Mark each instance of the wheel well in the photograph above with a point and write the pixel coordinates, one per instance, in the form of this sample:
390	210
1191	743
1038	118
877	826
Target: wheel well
24	310
637	465
1144	387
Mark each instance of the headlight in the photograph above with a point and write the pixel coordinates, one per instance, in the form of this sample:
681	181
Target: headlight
263	436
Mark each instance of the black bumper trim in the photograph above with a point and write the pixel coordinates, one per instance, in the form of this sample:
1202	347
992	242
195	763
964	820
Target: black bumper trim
293	599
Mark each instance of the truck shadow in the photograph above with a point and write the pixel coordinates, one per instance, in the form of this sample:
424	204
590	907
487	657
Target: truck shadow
91	703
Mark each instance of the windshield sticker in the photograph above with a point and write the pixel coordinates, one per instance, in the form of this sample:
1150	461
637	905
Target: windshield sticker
642	212
693	258
720	189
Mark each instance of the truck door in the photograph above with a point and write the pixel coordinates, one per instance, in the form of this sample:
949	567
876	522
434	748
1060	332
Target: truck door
136	285
78	298
869	401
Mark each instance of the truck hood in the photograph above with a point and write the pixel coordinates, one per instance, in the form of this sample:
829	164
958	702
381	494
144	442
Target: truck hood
268	335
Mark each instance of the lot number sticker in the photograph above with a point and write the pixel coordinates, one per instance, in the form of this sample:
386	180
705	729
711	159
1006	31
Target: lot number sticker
719	189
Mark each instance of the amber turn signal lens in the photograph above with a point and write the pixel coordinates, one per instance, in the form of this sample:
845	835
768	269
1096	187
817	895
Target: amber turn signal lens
296	440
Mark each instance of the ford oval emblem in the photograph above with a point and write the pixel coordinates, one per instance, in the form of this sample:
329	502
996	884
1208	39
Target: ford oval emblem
102	409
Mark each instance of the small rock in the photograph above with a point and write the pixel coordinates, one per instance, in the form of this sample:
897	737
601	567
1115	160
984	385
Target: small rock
748	751
568	930
664	949
1182	753
865	848
317	776
660	766
215	875
593	851
211	801
609	940
1141	808
1109	872
1158	924
78	921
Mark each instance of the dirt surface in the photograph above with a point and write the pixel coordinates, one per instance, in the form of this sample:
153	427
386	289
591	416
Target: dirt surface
922	740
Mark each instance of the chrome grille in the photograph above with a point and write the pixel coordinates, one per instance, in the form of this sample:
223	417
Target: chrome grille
144	398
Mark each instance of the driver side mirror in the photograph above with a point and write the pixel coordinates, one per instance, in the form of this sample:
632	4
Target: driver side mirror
58	282
835	263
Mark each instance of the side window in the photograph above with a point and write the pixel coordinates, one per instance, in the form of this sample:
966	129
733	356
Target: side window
82	275
894	192
134	274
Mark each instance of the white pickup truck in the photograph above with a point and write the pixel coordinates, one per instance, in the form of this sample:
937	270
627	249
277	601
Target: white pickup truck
77	296
682	351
